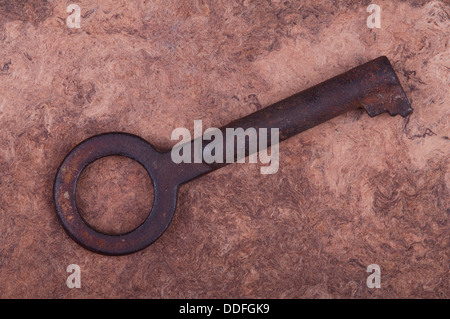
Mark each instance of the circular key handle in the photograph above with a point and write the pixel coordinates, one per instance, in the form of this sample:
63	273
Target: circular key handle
161	171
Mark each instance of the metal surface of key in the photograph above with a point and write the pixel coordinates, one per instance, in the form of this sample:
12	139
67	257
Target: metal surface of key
373	86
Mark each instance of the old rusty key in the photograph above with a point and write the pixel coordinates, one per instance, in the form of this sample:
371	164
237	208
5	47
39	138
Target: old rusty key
373	86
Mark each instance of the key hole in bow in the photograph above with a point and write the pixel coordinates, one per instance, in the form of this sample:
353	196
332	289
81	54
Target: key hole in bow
114	194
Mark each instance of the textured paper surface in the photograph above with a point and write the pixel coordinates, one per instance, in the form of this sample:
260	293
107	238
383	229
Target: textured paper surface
349	193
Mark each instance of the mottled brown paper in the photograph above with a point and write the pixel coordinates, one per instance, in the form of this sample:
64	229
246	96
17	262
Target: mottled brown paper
349	193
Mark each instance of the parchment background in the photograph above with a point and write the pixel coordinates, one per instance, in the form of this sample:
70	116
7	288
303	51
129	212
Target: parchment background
351	192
